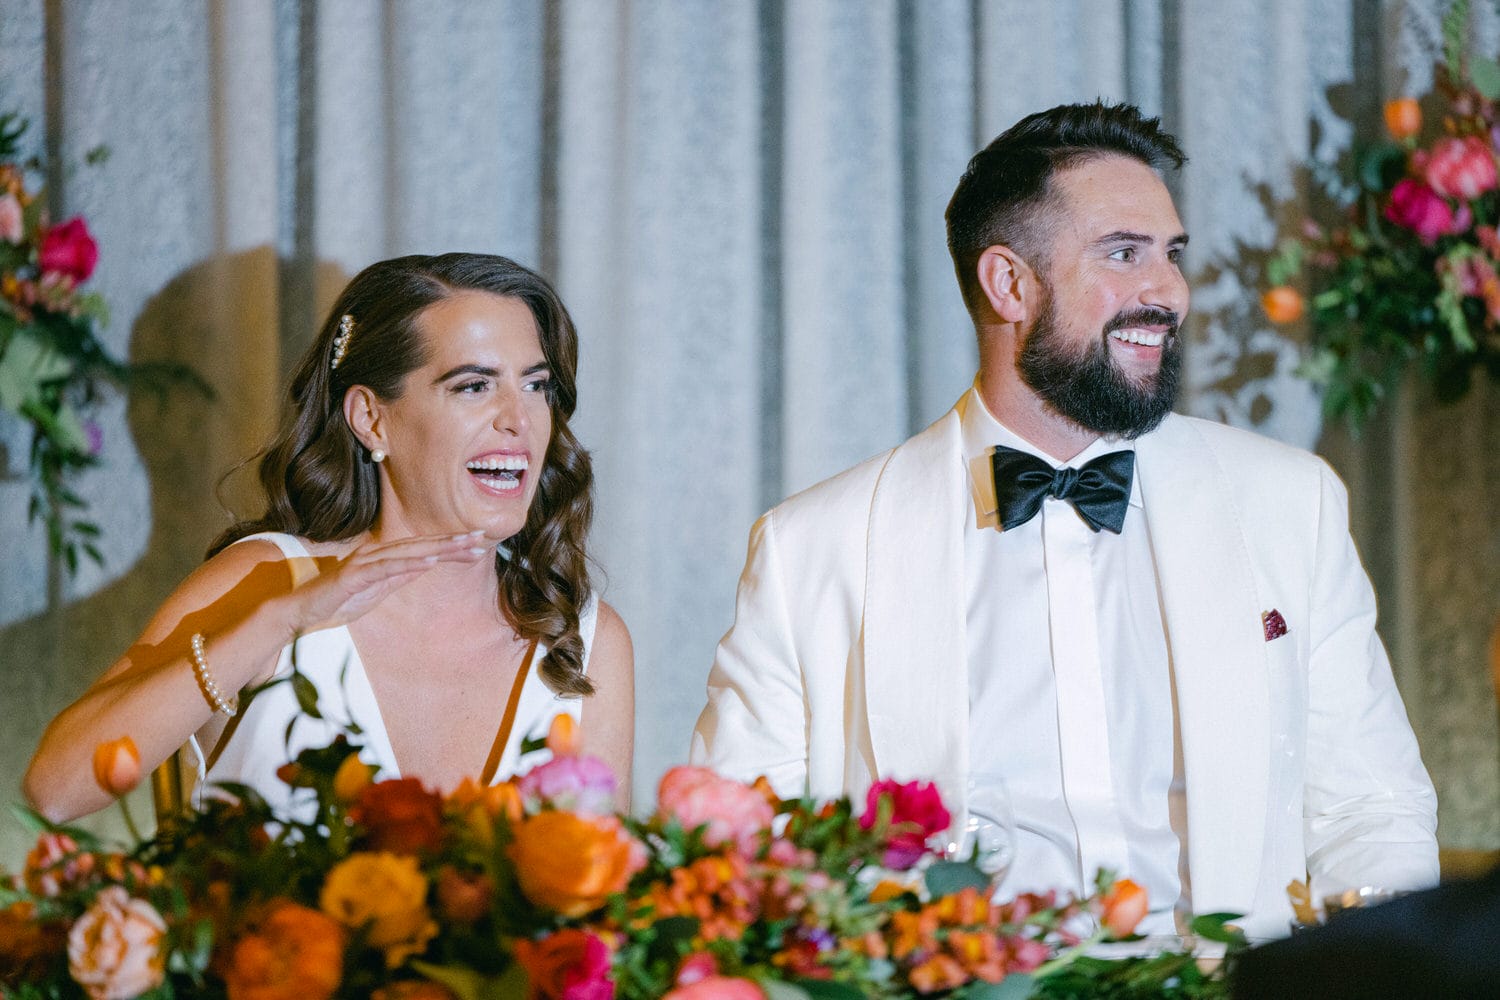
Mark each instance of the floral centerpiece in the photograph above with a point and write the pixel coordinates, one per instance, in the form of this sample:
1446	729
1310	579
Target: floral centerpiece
1409	277
534	889
52	366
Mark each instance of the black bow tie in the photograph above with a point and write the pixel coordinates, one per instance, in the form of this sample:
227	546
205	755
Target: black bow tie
1100	491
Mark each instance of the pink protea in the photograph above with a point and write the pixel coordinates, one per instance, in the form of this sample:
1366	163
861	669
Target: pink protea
578	784
917	812
734	812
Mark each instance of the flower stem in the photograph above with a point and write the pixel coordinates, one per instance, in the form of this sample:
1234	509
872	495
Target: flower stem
135	833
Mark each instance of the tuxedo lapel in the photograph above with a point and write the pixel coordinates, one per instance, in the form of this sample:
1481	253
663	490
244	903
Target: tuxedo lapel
916	685
1218	654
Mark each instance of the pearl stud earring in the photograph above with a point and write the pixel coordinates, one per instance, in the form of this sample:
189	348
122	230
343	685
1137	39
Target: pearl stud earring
377	456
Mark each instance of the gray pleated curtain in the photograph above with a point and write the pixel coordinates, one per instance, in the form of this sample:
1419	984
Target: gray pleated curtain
741	202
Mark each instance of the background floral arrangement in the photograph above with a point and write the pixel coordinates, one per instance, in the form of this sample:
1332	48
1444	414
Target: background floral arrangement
52	366
1410	276
533	889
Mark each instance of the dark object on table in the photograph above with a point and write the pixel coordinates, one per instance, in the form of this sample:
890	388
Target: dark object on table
1441	943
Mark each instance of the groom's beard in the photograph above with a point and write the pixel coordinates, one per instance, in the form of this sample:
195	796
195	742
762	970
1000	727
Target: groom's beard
1085	385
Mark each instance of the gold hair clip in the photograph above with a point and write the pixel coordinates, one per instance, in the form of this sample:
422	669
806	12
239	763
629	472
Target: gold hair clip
341	342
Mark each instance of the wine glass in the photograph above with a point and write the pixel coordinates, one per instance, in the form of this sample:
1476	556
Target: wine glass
988	836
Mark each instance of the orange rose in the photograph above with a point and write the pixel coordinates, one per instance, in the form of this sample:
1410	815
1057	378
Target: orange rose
400	816
1282	304
1403	118
117	765
571	864
115	949
386	896
1124	906
295	953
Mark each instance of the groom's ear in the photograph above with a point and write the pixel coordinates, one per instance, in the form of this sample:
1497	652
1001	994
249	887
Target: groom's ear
1009	284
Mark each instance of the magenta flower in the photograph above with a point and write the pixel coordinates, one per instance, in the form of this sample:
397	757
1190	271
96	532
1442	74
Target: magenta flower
917	813
68	249
1417	207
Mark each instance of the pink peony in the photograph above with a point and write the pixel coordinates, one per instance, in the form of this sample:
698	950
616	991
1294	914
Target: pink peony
917	813
717	988
115	949
68	249
1417	207
733	812
1458	167
10	218
583	785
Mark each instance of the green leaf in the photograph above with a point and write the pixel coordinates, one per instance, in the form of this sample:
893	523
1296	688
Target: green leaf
68	430
1016	986
307	694
777	989
1381	166
1485	75
1215	927
943	878
26	365
827	989
467	984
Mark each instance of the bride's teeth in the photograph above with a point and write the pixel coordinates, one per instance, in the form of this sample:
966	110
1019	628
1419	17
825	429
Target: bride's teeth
510	463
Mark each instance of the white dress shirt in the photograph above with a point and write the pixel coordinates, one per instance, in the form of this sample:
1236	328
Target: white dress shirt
1070	691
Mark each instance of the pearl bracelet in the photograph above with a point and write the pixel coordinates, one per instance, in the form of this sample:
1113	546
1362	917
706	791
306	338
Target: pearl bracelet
206	680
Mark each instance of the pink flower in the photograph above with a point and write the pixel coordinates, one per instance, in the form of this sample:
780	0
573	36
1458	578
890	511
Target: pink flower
115	948
697	967
583	785
10	218
69	249
917	813
717	988
1488	240
734	812
1417	207
1458	167
55	864
95	435
569	964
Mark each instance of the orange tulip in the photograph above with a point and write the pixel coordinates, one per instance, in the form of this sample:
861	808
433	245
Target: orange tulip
117	765
562	736
570	863
1403	118
1283	304
1125	906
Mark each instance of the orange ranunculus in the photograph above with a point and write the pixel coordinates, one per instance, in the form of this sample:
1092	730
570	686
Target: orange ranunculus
571	863
386	895
400	816
117	765
562	736
294	953
1282	304
1124	906
352	777
1403	118
569	964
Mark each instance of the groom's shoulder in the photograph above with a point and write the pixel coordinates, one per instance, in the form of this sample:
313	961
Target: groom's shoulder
837	498
1243	453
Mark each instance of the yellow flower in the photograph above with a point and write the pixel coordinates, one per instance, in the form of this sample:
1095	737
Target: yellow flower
386	894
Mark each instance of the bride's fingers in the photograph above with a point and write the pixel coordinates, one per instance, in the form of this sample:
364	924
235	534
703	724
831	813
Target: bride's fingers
421	545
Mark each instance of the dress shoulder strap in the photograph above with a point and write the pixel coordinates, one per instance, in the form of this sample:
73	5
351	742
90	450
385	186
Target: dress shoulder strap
293	550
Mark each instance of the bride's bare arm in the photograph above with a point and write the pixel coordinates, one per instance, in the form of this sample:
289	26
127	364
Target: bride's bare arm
243	604
608	727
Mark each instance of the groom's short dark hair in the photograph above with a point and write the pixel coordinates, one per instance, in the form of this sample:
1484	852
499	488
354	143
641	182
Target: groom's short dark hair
1002	196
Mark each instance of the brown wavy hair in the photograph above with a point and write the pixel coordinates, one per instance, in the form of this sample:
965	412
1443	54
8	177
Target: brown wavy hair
319	480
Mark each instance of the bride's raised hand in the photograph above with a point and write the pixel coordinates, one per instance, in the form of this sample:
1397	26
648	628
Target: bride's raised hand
367	575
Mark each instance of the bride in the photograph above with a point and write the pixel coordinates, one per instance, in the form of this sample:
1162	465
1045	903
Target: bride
421	560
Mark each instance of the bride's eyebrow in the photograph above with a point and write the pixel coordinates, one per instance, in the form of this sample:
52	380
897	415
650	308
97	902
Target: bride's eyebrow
471	369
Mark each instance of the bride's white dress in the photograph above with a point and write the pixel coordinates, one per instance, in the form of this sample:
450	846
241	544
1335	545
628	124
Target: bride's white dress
260	739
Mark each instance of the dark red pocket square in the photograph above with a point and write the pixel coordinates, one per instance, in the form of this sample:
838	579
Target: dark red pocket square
1273	623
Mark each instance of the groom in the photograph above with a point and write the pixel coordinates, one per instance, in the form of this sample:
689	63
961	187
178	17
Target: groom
1150	635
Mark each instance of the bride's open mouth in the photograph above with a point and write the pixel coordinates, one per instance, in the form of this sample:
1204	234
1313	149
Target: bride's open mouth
499	473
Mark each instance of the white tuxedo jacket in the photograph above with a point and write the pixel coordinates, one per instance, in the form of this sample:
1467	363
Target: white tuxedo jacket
847	659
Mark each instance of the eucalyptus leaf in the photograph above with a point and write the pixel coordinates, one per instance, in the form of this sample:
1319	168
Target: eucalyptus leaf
1485	75
26	365
776	989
